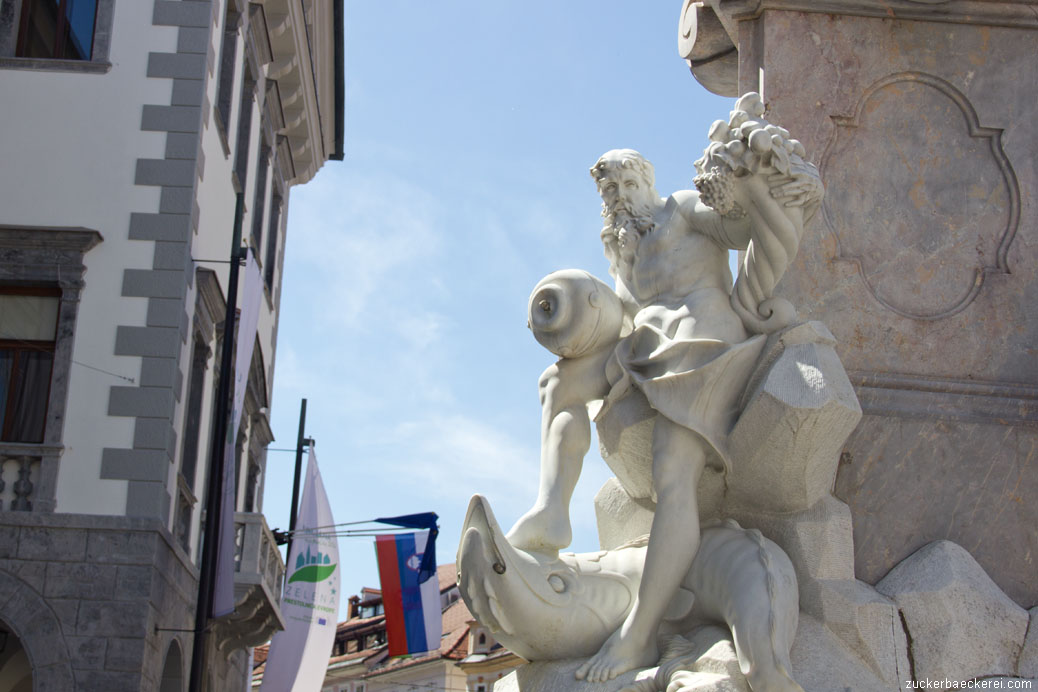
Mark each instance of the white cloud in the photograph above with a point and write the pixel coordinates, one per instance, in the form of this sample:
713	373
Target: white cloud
291	376
454	456
421	329
360	241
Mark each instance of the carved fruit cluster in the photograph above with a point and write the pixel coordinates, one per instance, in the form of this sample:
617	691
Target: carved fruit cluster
715	190
743	146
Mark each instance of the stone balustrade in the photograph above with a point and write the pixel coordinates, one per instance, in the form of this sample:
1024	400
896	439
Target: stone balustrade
19	478
256	556
259	574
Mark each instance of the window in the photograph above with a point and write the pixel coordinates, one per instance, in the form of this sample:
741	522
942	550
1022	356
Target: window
28	325
262	164
370	611
252	486
193	416
189	451
172	670
228	55
239	453
272	242
246	100
56	35
42	267
182	523
57	29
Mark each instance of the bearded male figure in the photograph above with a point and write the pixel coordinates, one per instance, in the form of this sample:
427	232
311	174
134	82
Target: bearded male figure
684	346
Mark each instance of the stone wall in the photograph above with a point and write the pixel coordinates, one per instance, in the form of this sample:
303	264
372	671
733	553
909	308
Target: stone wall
93	599
921	116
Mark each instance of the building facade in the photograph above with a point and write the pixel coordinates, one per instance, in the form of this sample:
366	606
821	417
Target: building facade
131	129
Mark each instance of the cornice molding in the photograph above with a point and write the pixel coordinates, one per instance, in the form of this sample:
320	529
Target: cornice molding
1020	14
52	237
294	47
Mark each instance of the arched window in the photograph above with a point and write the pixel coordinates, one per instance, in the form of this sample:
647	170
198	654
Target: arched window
173	670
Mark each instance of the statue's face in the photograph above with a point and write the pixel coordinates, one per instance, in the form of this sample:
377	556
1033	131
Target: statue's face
624	189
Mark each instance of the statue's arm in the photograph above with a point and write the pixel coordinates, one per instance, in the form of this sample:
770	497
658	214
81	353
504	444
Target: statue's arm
630	305
753	170
731	233
619	250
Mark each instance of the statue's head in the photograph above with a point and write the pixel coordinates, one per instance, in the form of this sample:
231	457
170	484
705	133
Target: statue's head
616	160
626	182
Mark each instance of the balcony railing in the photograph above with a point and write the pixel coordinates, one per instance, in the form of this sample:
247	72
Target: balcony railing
259	573
19	476
256	553
28	476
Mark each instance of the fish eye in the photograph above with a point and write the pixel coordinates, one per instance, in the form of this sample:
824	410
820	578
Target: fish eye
499	568
557	584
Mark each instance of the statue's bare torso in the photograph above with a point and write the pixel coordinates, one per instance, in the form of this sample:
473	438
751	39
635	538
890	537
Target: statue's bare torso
679	278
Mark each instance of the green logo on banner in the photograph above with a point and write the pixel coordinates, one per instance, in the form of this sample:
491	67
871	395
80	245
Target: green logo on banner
312	567
312	573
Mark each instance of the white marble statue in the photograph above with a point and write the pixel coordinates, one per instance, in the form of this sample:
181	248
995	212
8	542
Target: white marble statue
683	339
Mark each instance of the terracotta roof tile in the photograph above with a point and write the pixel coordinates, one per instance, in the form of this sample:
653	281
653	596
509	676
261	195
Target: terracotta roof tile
363	653
358	623
457	616
448	576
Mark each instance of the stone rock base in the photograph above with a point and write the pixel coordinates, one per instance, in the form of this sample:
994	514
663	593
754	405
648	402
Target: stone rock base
961	625
819	660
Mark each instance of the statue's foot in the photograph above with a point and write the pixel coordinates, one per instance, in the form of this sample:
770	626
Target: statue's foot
542	529
618	655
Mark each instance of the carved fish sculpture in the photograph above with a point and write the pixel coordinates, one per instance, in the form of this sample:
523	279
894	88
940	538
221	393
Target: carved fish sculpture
543	607
548	607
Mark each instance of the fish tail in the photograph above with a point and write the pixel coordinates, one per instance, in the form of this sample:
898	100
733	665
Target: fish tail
778	658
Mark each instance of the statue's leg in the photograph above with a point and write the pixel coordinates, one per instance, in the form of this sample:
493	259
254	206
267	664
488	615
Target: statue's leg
566	388
678	460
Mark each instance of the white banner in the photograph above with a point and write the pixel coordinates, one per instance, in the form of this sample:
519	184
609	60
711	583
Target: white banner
299	655
248	321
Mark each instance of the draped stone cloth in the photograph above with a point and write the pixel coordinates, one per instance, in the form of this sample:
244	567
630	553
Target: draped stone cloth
695	379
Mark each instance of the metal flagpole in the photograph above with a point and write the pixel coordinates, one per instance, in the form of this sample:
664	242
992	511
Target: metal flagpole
300	441
214	491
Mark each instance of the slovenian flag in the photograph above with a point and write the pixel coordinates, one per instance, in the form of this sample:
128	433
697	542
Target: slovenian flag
413	617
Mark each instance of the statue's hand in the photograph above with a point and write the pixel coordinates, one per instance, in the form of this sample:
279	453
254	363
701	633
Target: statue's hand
628	243
796	189
801	187
611	246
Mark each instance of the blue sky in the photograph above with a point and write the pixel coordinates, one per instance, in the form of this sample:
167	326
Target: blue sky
470	128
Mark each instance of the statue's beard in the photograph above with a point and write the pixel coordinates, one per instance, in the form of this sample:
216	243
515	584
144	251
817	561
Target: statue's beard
623	214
